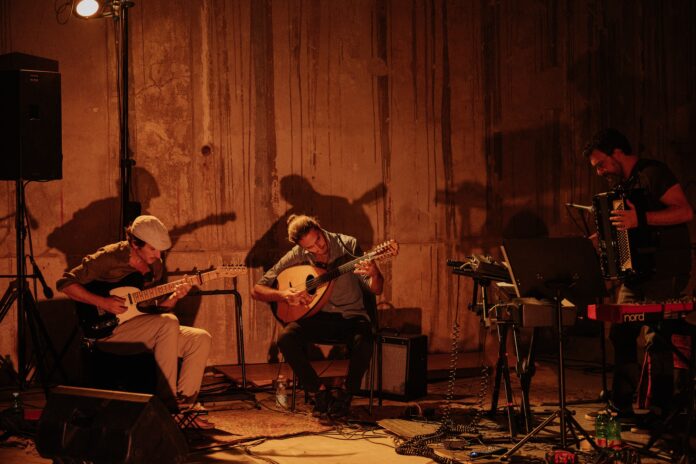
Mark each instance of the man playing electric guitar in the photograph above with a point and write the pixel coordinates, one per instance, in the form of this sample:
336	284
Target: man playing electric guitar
139	259
341	318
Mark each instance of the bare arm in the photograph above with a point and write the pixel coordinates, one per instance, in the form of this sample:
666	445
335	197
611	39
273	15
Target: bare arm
112	304
677	211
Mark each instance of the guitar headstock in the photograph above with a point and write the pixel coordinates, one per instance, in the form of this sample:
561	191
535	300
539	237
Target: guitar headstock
385	250
231	270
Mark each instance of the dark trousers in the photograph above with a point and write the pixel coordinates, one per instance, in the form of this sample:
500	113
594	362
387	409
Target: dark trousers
627	369
356	332
658	345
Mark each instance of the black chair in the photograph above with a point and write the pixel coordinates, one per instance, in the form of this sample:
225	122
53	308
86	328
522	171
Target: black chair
135	373
370	302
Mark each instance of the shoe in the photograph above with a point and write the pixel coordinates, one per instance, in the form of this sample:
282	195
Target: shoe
191	416
340	408
322	402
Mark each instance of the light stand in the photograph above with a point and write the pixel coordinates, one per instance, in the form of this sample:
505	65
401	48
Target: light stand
118	9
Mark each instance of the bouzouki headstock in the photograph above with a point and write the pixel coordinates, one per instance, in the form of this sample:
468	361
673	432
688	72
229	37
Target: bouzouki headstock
384	250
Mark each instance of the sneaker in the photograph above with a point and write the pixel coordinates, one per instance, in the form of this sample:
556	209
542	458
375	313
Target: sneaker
322	402
341	406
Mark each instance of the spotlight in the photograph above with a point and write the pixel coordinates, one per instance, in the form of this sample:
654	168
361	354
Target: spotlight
87	8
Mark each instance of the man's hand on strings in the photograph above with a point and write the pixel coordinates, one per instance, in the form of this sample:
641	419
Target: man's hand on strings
296	297
366	268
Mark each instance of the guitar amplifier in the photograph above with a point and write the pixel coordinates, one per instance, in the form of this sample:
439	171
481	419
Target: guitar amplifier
404	367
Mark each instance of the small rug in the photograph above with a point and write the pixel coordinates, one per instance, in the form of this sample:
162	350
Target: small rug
242	425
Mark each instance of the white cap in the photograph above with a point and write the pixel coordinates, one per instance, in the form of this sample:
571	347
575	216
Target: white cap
150	230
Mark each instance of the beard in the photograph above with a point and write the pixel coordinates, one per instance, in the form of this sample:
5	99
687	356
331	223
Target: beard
614	180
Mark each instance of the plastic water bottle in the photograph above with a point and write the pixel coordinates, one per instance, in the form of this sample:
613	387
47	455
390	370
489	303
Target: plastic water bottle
282	392
17	403
614	432
601	423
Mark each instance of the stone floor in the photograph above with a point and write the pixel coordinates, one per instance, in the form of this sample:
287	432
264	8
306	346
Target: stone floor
372	439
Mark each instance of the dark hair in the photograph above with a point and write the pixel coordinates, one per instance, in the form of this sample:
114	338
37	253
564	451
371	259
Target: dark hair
606	141
300	225
133	240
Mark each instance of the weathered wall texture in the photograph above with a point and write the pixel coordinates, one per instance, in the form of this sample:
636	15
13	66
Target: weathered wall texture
446	125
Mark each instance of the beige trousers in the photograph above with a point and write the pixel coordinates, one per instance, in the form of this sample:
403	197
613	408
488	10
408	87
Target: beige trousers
167	340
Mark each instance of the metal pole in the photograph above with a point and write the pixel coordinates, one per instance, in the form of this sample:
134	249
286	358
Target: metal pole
125	163
21	283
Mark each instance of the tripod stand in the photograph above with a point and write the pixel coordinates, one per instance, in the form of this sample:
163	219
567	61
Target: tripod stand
555	268
28	316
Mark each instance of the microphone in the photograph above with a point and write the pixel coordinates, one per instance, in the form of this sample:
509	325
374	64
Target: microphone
582	207
48	293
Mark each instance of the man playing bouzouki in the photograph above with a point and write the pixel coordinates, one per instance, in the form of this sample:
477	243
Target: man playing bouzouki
139	258
342	316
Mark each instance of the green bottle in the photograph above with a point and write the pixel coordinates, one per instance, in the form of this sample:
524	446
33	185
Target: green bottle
601	422
614	432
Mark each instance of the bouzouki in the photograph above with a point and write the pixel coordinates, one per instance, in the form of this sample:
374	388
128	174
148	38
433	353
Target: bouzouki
98	323
319	282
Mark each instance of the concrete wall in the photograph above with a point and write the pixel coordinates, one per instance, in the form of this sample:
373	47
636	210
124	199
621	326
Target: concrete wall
446	125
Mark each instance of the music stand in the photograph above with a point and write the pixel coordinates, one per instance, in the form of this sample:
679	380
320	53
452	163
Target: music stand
555	268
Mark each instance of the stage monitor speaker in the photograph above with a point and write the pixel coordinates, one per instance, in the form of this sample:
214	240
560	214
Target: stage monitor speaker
104	426
30	123
404	367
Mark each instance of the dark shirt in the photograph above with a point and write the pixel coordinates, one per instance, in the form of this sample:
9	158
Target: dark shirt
648	182
108	264
347	296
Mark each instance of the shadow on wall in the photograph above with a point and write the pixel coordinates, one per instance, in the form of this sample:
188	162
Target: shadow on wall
336	214
468	199
96	225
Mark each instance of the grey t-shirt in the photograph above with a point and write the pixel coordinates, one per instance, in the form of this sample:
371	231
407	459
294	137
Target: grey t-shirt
347	296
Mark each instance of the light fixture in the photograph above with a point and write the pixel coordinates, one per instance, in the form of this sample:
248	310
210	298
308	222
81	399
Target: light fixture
118	10
87	9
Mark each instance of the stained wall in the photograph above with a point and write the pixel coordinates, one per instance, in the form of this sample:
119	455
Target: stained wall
446	125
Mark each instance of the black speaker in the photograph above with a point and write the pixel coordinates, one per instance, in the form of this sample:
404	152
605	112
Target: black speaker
30	119
404	367
104	426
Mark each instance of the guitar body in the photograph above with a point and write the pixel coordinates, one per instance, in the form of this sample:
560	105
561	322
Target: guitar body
301	276
97	323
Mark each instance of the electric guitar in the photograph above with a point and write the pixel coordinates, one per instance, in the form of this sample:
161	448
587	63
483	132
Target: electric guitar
98	323
319	282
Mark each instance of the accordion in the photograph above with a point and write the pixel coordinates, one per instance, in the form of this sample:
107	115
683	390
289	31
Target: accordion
623	254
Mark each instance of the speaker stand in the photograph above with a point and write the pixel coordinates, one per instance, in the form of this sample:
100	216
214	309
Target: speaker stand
28	316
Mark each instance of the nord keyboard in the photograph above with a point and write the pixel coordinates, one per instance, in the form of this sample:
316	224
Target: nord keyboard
647	312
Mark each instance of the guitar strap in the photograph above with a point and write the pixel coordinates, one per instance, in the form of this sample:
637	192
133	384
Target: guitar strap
345	248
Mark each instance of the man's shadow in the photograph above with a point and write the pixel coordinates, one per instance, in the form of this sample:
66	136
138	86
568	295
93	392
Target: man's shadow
97	224
336	214
92	227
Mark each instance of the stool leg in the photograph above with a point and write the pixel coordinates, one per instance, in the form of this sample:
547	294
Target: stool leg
294	392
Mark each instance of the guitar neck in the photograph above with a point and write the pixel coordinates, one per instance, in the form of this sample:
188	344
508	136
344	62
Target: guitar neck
169	287
340	270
